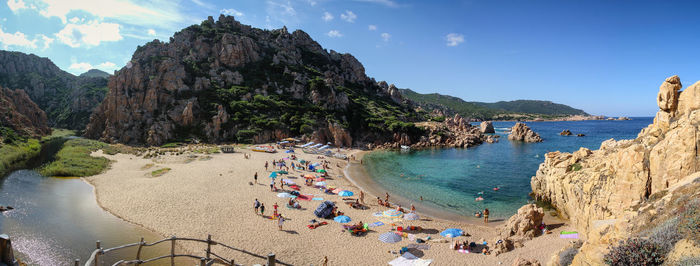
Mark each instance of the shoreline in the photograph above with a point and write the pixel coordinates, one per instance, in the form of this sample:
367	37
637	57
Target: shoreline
356	174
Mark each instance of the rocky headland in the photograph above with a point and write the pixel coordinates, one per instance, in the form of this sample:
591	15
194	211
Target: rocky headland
645	189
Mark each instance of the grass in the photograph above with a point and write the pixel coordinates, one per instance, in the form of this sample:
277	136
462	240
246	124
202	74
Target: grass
160	172
15	154
147	166
59	133
172	145
74	159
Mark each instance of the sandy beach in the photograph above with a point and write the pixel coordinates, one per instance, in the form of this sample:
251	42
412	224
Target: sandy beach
213	194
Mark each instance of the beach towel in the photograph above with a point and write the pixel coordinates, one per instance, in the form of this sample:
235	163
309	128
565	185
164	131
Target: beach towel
401	261
305	197
574	236
376	224
568	232
317	199
419	246
463	251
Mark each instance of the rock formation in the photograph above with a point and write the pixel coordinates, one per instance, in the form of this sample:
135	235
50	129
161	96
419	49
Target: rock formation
19	113
222	81
453	132
566	132
525	262
487	127
522	132
66	99
519	228
607	193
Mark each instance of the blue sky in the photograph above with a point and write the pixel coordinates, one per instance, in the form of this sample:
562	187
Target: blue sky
606	57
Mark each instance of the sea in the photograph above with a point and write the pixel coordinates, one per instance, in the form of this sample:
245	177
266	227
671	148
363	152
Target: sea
451	179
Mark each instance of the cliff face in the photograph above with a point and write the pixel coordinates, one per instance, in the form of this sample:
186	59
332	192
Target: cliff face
19	113
67	100
224	81
601	191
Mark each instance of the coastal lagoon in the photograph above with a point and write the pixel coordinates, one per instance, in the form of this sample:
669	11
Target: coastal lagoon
449	180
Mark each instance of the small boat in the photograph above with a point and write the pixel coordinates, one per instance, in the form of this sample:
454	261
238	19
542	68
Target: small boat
268	149
479	199
405	148
496	188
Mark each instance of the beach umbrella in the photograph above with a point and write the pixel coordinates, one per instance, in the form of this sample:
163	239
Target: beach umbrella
389	237
342	219
411	217
273	175
345	193
285	195
302	161
320	171
288	182
392	214
321	184
452	232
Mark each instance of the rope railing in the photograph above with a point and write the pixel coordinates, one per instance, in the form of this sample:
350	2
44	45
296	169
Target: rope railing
95	258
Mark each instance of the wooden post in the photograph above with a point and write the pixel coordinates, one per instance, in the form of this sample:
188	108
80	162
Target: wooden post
97	255
233	263
208	246
138	252
203	262
271	259
77	262
6	254
172	251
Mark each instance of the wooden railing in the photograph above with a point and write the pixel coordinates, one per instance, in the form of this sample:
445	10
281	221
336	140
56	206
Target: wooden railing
211	258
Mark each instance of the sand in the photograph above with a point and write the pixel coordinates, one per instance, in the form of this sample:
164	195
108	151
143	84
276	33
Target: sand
213	194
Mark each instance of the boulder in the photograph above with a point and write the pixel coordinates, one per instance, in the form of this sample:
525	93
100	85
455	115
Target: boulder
525	262
668	94
487	127
566	132
521	132
524	224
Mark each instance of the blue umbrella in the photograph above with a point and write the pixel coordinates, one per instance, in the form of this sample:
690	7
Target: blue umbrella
342	219
273	175
452	232
345	193
389	237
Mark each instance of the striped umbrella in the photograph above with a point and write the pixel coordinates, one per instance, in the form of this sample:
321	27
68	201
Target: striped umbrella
392	215
411	217
389	237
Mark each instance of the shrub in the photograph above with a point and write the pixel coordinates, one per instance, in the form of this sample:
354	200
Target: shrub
666	235
635	251
688	261
689	221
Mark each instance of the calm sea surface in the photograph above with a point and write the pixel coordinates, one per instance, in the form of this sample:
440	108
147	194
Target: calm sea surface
451	179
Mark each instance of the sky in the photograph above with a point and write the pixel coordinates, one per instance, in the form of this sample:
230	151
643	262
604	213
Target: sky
605	57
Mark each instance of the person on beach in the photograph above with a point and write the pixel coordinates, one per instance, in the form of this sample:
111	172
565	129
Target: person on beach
387	197
256	205
413	208
421	198
362	197
486	215
265	165
274	211
380	202
272	184
255	177
280	221
262	209
325	261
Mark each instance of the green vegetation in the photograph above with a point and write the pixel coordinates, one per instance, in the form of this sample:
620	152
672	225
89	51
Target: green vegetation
575	167
74	159
160	172
635	251
16	150
171	145
525	109
59	133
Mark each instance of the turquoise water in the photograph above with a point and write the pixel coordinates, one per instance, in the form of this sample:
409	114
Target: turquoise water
450	179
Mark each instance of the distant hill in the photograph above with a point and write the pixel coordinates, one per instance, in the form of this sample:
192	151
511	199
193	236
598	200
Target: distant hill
487	111
95	73
67	100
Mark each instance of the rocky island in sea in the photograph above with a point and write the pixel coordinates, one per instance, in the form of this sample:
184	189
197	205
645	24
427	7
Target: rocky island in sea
192	133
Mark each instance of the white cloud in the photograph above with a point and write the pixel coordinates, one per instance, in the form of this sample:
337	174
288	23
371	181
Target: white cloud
334	34
231	12
74	20
90	34
165	14
47	41
107	65
152	32
81	66
386	36
312	2
282	8
203	4
348	16
389	3
372	27
454	39
327	16
15	5
16	39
